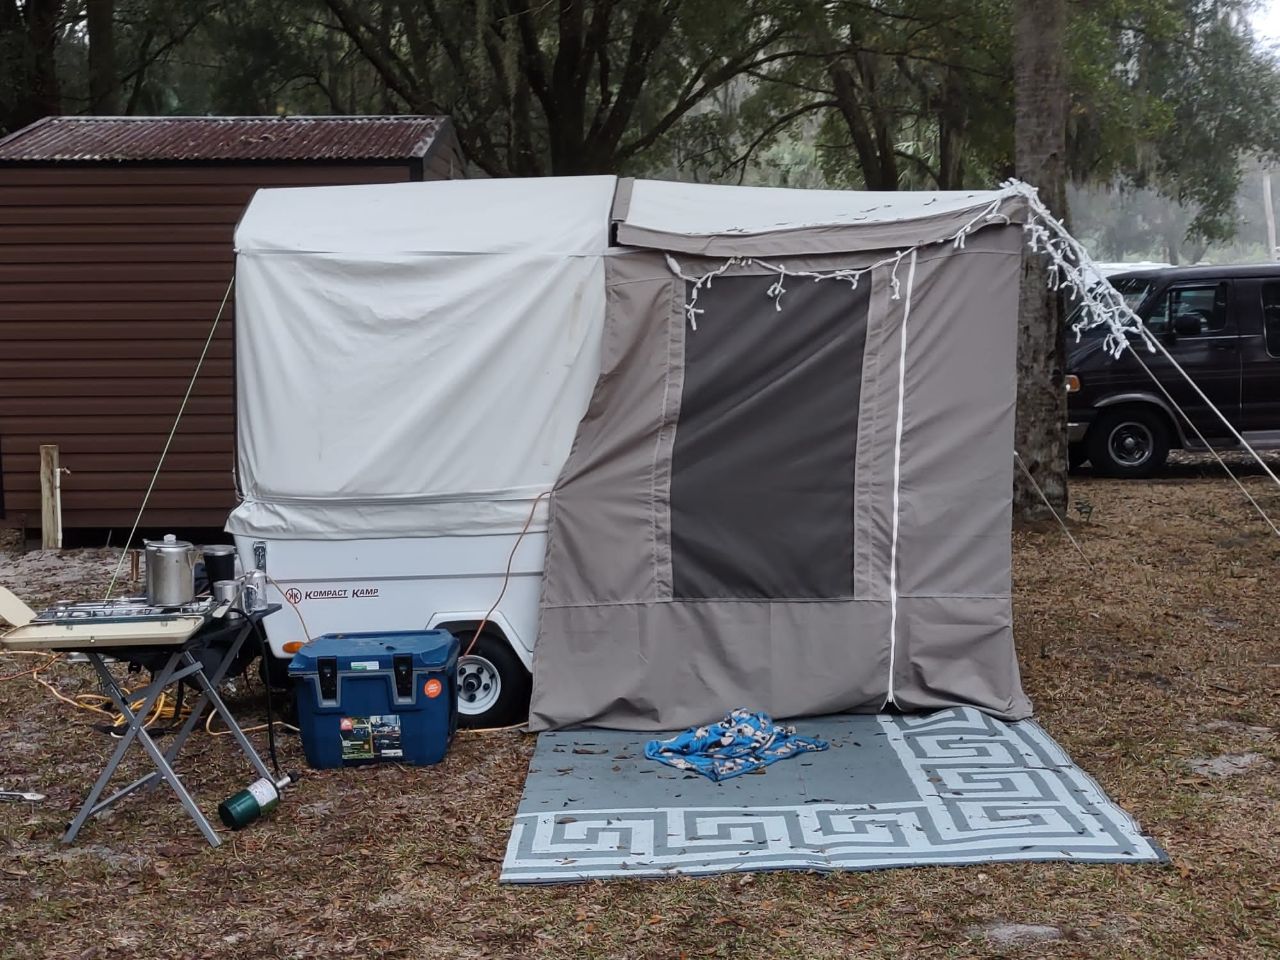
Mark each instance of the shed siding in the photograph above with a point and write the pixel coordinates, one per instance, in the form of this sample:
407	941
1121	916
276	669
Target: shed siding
110	277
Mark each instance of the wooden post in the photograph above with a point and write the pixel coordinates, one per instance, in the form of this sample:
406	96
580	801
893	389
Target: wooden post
50	498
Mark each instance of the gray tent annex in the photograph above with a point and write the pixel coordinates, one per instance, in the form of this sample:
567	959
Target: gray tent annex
792	488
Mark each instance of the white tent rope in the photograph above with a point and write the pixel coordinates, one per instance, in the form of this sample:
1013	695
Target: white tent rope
897	479
1200	436
169	441
1104	305
1194	386
1057	516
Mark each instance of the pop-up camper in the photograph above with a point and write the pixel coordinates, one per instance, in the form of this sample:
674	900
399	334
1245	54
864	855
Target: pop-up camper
411	368
775	427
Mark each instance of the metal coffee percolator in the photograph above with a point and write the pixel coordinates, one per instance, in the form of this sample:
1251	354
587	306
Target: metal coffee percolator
171	572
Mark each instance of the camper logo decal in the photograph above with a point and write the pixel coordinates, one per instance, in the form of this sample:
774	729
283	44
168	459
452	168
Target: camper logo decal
294	595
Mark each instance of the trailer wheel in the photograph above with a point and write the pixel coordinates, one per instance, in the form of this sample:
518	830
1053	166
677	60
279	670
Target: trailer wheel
274	671
493	685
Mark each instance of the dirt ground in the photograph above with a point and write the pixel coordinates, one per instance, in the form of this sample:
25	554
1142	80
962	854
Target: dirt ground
1158	670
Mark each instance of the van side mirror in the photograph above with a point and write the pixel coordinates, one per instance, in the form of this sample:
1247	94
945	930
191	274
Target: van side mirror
1187	325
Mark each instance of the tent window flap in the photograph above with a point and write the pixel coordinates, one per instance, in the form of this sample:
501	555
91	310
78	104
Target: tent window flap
762	470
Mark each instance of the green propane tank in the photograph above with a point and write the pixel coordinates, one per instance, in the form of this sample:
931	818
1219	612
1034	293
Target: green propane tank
261	796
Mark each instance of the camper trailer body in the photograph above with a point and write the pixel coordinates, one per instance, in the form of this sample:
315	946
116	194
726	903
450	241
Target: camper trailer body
411	368
349	586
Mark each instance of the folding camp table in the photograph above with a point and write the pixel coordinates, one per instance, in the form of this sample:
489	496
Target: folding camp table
181	663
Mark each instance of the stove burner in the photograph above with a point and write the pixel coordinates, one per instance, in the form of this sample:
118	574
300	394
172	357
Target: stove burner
122	610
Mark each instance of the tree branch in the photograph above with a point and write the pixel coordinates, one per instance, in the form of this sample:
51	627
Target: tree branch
715	80
383	59
653	23
920	162
787	118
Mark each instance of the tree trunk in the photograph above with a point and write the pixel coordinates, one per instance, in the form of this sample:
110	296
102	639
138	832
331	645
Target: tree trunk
872	141
1040	105
28	73
42	28
952	113
104	90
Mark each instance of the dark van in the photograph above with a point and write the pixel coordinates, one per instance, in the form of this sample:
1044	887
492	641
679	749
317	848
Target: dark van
1222	325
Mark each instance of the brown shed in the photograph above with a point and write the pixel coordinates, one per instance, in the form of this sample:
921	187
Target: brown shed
115	253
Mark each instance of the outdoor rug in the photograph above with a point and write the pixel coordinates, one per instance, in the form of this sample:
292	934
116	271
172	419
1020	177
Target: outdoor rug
952	787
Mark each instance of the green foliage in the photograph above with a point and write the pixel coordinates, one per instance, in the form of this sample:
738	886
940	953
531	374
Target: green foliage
1166	95
1170	96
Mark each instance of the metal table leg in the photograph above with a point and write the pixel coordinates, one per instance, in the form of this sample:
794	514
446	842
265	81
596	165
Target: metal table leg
198	708
134	730
154	776
233	726
180	665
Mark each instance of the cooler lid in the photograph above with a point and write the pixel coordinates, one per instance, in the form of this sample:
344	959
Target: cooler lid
430	649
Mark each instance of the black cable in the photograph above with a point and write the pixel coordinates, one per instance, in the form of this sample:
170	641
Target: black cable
264	652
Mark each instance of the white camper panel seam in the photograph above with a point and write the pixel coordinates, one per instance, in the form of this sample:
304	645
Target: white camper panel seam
897	478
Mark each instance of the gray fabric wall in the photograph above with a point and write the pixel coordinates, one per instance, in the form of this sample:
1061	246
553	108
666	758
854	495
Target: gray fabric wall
619	645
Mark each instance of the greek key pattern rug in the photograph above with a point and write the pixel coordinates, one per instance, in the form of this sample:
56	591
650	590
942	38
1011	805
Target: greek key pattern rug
953	787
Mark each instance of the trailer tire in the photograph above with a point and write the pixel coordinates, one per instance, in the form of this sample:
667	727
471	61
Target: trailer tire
274	671
493	684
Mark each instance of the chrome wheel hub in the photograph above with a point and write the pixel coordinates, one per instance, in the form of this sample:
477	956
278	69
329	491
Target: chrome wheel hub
479	685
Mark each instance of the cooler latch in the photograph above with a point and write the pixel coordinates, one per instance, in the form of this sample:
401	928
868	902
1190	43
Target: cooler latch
402	663
327	667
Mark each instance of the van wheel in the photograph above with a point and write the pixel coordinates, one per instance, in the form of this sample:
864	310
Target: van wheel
493	685
1132	442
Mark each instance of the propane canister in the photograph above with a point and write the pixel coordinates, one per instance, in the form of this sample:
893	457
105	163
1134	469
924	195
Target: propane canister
261	796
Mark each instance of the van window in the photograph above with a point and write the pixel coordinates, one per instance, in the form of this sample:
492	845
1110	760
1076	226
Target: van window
1271	316
1133	289
1204	306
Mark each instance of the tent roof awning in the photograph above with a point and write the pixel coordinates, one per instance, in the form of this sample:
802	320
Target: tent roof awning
751	221
555	216
570	216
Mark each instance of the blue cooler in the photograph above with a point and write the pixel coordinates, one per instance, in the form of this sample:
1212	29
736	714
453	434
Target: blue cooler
374	697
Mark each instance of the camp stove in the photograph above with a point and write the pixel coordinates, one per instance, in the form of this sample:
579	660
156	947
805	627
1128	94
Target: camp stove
122	622
121	610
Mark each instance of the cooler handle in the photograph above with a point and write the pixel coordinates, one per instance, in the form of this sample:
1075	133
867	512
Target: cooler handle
327	668
402	665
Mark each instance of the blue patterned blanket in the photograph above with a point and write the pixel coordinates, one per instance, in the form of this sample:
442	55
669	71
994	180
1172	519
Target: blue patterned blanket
744	741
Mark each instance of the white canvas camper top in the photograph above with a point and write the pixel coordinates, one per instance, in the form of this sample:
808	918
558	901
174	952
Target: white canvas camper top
699	447
411	368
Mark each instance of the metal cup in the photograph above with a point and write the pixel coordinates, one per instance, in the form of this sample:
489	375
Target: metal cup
227	591
220	562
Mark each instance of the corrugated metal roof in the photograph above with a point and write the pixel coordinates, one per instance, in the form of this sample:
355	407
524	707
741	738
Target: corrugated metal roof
79	139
